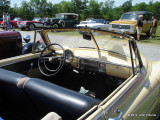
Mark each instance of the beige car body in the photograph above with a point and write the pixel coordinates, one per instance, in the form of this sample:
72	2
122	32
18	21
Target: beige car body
137	98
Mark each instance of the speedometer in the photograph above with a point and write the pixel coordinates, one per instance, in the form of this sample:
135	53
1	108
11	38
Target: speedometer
69	56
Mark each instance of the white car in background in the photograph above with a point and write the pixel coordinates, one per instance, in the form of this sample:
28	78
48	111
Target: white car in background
99	24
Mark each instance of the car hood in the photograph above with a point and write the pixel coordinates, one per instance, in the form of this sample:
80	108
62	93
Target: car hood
6	33
14	21
125	22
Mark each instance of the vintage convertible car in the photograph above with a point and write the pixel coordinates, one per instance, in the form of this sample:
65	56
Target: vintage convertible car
97	75
31	25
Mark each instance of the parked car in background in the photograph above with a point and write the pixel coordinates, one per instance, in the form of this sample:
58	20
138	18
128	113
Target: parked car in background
65	20
127	23
94	23
31	25
90	76
49	22
14	22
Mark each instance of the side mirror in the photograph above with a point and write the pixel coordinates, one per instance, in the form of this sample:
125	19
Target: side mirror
27	38
86	36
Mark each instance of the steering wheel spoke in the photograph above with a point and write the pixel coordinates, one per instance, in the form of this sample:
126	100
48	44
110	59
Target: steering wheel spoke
53	59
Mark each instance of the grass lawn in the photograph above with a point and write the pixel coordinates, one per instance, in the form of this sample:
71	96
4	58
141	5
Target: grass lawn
145	39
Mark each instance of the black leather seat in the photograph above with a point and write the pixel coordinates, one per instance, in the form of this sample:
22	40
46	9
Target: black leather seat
49	97
14	102
8	77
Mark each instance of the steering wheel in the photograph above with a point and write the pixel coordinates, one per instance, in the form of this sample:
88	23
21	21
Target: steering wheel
48	61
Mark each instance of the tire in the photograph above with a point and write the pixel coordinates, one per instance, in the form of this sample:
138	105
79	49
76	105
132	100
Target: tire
75	25
22	29
148	33
98	28
31	27
55	26
62	23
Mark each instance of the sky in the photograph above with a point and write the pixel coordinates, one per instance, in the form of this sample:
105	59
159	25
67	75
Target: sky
117	2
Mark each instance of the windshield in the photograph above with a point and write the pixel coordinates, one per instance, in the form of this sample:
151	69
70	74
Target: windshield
105	42
115	44
96	20
17	19
72	39
87	22
63	16
36	19
129	17
108	44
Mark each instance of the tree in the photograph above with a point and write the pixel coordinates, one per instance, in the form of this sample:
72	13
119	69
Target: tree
25	11
39	7
4	5
127	6
79	5
140	7
94	9
107	7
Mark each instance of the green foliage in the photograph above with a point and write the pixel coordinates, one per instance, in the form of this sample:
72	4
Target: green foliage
127	6
5	6
85	8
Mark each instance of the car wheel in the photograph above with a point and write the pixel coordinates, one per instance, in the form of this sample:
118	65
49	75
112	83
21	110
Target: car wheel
55	26
75	25
98	28
22	29
31	27
148	33
62	23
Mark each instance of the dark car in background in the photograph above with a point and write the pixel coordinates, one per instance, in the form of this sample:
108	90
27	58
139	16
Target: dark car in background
63	20
31	25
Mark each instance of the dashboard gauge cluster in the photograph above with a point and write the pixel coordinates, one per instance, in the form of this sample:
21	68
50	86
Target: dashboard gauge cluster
69	56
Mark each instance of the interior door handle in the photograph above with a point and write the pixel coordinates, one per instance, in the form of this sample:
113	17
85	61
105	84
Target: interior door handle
118	117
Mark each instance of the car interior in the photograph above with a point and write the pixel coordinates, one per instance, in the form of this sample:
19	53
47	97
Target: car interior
68	81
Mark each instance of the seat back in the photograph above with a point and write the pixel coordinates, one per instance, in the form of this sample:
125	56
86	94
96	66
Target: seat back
13	101
49	97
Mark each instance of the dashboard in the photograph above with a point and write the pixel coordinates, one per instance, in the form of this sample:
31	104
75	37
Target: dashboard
85	63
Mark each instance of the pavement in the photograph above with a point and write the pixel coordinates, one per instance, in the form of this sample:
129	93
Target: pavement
151	51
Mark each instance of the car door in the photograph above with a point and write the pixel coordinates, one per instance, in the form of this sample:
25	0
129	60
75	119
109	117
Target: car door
136	98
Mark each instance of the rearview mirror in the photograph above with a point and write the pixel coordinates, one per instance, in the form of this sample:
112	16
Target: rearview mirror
86	36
